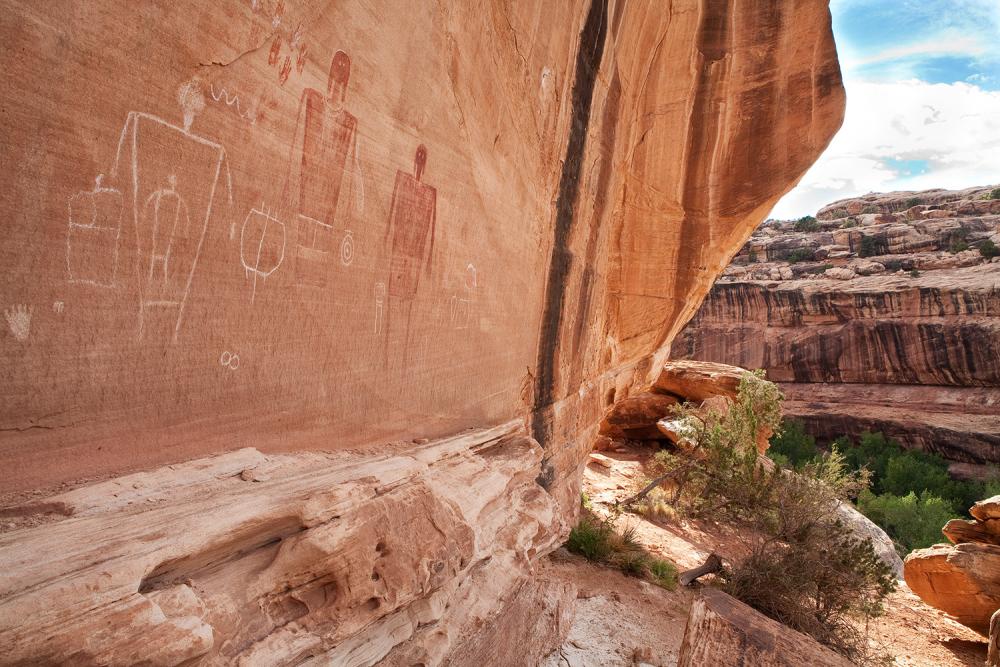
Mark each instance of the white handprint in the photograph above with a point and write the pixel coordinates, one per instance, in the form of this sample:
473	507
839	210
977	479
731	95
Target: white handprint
19	320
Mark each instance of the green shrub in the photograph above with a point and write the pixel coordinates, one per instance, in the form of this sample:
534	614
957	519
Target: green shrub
849	223
994	194
753	257
664	573
806	223
599	542
800	255
988	249
870	209
839	583
914	273
958	246
912	521
632	563
793	444
870	246
838	213
911	202
591	539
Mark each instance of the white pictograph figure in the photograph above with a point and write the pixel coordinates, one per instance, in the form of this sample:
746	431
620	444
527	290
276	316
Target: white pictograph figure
19	321
222	95
262	245
461	306
58	307
93	235
166	214
170	178
229	360
379	306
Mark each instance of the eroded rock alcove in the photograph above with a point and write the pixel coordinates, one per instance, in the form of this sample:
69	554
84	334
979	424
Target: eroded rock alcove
313	308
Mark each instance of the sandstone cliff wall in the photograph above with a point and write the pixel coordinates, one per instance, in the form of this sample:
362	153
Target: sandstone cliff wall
902	338
351	227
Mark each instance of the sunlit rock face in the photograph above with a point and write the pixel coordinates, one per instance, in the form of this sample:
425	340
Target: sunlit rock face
333	232
885	316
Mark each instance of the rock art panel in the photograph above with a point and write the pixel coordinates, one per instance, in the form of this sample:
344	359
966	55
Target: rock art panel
338	229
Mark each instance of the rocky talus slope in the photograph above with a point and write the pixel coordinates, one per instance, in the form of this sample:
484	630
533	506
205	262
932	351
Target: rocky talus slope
883	314
312	309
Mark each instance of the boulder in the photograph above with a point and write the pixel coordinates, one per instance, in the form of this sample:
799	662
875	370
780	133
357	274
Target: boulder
959	531
867	267
724	632
984	510
962	580
840	273
864	528
697	380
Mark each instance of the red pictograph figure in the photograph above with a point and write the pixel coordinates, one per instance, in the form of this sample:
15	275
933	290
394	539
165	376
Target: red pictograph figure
325	138
411	227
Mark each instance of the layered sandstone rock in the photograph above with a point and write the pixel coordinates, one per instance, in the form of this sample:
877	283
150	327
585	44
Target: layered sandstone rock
723	632
905	341
349	228
962	579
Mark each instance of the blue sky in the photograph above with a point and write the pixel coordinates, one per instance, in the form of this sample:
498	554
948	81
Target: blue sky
923	101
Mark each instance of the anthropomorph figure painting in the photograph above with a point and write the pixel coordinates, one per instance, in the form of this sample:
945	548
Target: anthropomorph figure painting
171	180
411	230
325	141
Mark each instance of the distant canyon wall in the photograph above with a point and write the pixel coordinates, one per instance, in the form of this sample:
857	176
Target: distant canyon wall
350	228
899	333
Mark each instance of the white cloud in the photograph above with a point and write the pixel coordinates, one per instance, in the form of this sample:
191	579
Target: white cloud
954	128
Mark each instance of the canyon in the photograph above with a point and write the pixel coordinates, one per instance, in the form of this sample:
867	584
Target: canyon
313	309
879	314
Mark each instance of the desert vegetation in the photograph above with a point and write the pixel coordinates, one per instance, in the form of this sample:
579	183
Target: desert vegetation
911	495
803	566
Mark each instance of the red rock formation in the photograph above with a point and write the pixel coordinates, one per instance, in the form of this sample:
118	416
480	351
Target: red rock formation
305	227
962	579
906	343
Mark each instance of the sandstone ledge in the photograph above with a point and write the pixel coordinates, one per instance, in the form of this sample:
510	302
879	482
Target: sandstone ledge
332	557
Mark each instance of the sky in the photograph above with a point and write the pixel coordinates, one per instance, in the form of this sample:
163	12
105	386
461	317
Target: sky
923	101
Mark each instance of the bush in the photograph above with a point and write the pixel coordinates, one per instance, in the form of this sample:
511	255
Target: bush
914	273
911	202
819	586
800	255
994	194
912	521
870	246
806	223
870	209
805	568
664	573
599	542
958	246
849	223
988	249
591	539
793	444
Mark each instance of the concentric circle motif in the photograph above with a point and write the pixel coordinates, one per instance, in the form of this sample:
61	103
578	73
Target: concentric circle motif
347	249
